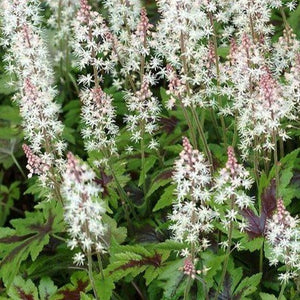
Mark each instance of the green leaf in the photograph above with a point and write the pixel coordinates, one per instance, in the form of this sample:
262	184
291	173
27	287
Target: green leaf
104	288
252	245
117	233
133	260
151	273
5	88
214	264
29	237
46	288
248	285
149	163
265	296
166	198
7	197
8	133
171	278
68	135
21	289
10	113
223	51
79	283
160	180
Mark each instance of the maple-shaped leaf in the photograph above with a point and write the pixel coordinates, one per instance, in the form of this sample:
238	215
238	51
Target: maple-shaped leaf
21	289
103	181
71	291
257	224
269	199
28	238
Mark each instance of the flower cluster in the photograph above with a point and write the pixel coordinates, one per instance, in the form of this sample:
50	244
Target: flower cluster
144	109
283	234
27	58
191	217
92	37
179	36
259	100
35	164
83	208
229	189
98	115
63	12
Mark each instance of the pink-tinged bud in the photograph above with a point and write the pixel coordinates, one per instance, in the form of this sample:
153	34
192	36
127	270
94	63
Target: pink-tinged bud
282	216
189	268
211	57
246	43
233	51
232	164
144	26
268	87
35	164
144	93
84	13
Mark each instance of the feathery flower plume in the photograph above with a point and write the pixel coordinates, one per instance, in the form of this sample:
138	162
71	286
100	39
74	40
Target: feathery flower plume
98	116
83	208
191	217
60	20
229	189
27	58
144	109
283	234
179	40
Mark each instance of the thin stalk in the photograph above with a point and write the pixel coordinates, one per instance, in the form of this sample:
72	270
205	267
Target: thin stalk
193	256
203	140
100	265
227	254
58	237
191	127
286	24
281	147
280	297
143	171
19	211
235	134
194	113
276	163
187	289
91	277
123	196
261	259
60	41
138	290
17	164
215	43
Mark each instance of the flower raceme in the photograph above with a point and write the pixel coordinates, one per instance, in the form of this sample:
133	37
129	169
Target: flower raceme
283	235
191	217
83	208
98	116
229	189
28	60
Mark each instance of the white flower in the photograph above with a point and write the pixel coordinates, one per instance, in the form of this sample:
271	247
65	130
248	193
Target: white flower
79	259
191	218
283	235
83	207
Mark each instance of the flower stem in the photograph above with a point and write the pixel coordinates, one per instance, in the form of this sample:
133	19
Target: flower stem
280	297
143	171
17	164
227	254
91	277
215	43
